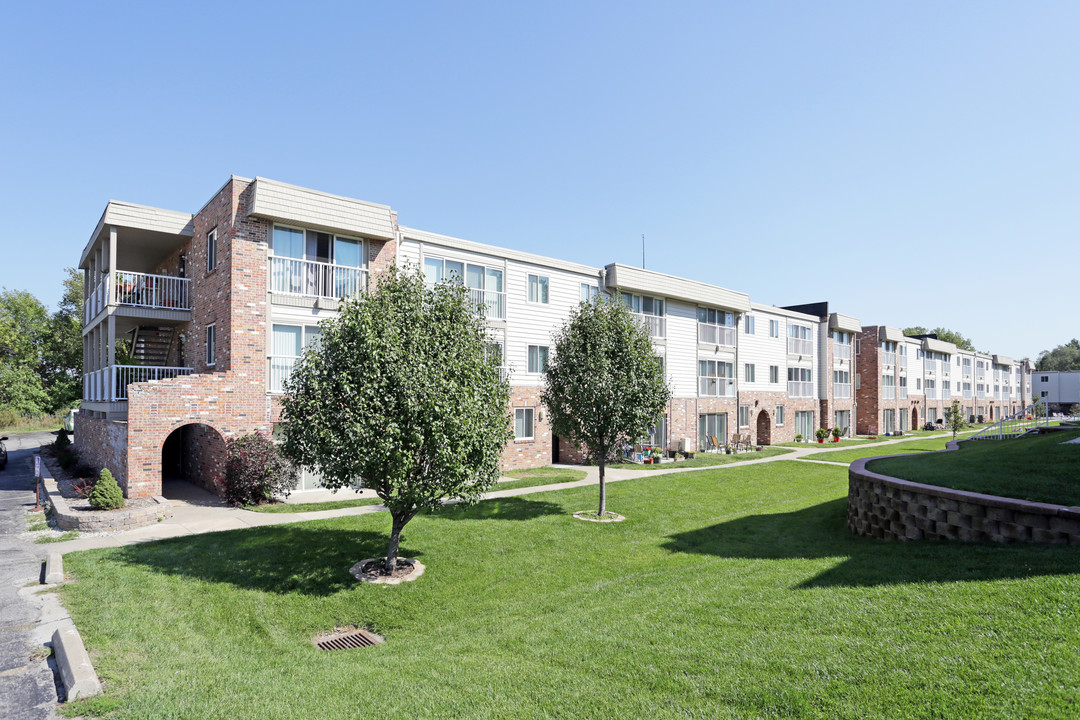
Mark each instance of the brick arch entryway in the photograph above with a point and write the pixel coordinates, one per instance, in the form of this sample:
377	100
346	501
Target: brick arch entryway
195	453
914	418
764	428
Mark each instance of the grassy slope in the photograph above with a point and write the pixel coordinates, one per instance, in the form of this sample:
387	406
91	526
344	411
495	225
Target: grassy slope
734	593
1037	467
907	446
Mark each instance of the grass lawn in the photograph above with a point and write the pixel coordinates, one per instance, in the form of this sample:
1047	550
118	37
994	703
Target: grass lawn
907	446
539	476
312	506
735	593
703	459
844	442
1037	467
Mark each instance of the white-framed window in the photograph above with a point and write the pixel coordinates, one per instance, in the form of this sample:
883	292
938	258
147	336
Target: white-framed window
287	343
841	377
774	374
749	371
804	423
311	262
485	283
748	324
918	383
211	250
716	327
589	292
716	378
538	289
774	328
712	430
211	344
523	423
779	414
538	358
744	416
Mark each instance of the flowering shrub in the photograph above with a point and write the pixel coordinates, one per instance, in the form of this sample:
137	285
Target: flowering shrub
256	471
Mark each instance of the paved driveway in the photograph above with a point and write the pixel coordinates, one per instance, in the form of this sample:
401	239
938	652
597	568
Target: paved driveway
27	691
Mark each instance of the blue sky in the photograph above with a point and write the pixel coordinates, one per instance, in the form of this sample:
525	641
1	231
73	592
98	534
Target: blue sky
911	163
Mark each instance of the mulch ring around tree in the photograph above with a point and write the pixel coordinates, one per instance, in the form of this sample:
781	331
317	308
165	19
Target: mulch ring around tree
373	570
593	516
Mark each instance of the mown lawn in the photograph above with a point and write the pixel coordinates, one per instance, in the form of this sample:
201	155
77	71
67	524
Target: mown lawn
728	593
709	459
907	446
280	507
539	476
1038	467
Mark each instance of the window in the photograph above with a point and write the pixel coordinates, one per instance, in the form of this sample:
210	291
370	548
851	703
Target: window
774	328
1044	378
340	271
779	414
287	342
485	283
715	378
1044	393
888	421
744	416
842	420
800	340
918	383
804	423
538	357
589	292
211	343
774	374
841	377
748	372
748	324
538	289
523	423
716	327
712	431
211	250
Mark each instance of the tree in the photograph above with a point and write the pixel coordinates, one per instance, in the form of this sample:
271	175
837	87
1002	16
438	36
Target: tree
954	418
1063	358
604	384
23	330
62	350
943	334
401	391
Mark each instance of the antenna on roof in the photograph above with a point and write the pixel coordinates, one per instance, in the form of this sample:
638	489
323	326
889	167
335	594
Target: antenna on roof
642	251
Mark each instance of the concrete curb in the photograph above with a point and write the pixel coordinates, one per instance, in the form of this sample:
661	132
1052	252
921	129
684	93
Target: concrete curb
73	662
54	569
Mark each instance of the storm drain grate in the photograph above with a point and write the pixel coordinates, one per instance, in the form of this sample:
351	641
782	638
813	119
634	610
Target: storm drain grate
349	640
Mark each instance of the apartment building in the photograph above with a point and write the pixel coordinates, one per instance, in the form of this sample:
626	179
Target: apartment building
193	321
1059	390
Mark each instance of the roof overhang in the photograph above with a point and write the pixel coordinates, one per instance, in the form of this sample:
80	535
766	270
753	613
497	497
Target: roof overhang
844	323
891	334
1003	360
142	226
318	210
636	280
940	346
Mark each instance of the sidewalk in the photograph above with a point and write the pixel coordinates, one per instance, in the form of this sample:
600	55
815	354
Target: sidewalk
197	511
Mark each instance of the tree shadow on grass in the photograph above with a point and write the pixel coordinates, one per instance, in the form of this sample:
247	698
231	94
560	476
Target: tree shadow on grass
508	508
821	531
279	559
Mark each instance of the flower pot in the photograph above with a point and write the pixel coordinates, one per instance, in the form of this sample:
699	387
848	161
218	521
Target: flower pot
836	439
820	440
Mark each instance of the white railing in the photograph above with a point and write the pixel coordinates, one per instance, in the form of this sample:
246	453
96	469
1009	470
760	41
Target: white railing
96	300
281	366
903	392
967	394
716	334
1014	425
110	384
716	387
842	390
945	369
654	323
946	393
799	388
930	366
798	346
888	358
903	361
494	303
155	291
841	352
888	392
981	394
931	393
290	276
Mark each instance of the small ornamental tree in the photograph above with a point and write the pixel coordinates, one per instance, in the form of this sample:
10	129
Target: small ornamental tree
256	471
604	384
403	392
954	418
106	494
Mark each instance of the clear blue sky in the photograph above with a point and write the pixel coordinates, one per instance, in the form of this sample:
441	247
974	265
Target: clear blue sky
911	163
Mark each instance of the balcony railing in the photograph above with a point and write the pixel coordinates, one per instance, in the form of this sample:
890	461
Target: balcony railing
111	384
716	387
139	290
931	393
655	324
841	352
716	334
494	303
888	358
903	392
903	361
800	388
290	276
842	390
980	394
967	394
930	366
799	346
946	393
888	392
96	300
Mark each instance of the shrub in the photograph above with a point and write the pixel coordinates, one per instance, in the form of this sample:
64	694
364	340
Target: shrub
66	457
106	494
62	440
256	471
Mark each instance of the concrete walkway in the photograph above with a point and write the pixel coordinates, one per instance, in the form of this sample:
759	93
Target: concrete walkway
197	511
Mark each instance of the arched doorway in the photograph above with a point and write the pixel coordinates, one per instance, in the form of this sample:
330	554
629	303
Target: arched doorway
914	418
764	429
193	453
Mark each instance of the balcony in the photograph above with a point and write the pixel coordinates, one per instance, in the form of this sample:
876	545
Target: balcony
931	393
903	392
655	324
903	361
888	392
716	334
290	276
967	394
110	384
799	346
136	289
981	394
841	352
888	358
842	390
799	388
494	303
716	387
930	366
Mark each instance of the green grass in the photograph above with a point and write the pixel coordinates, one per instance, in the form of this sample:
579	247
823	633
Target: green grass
539	476
702	459
844	442
15	425
62	537
312	506
1037	467
36	521
725	594
906	446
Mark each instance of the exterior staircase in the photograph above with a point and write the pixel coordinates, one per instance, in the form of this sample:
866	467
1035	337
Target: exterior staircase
151	345
1016	425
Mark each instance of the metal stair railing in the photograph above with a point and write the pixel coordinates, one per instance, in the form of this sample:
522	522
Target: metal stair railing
1016	424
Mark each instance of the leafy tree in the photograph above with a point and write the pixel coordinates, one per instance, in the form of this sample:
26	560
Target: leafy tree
1063	358
943	334
62	350
401	392
23	329
604	385
954	418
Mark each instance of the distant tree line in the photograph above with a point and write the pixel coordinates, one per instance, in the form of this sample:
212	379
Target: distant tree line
1062	358
942	334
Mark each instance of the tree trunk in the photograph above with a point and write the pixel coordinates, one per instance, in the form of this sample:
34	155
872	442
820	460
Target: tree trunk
395	541
603	489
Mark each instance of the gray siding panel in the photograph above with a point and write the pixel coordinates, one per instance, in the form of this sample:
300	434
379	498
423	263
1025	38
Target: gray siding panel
291	204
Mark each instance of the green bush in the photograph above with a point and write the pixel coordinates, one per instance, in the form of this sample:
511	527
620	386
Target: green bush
106	494
257	472
62	439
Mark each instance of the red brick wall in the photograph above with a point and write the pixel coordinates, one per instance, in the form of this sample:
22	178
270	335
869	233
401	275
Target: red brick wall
759	402
868	394
519	454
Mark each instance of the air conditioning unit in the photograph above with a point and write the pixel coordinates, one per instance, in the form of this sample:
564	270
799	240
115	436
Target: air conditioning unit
686	445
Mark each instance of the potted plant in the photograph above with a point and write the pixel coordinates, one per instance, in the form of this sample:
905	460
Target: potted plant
727	449
821	434
656	455
836	433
